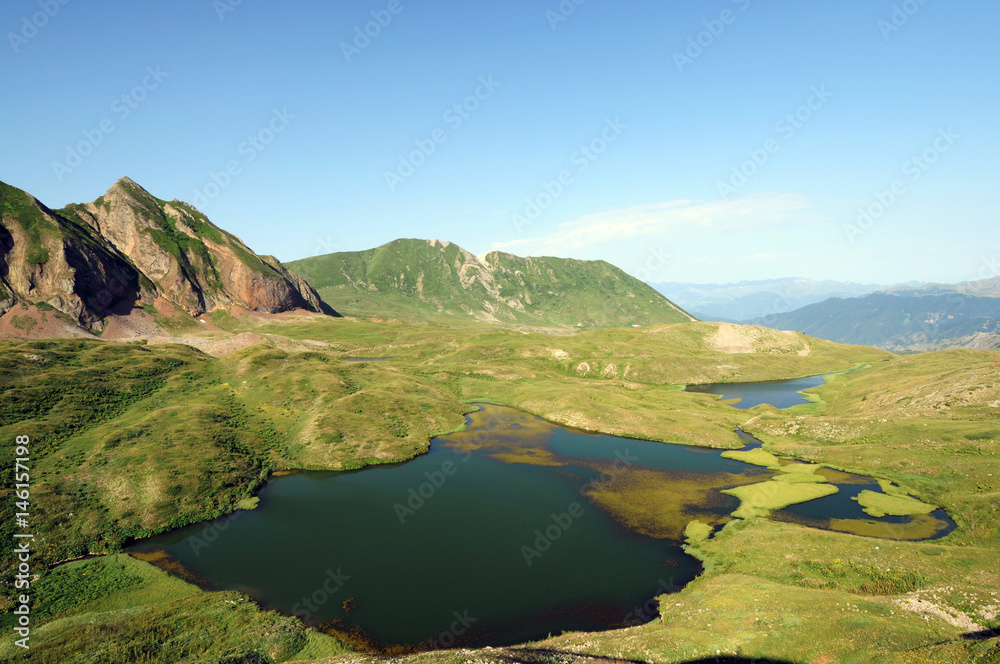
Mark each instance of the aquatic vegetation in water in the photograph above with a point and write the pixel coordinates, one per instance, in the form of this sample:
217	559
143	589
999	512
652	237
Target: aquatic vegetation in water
799	478
919	527
757	457
697	531
880	504
764	497
661	504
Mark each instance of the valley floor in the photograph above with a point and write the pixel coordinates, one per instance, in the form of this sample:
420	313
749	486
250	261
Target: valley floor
136	439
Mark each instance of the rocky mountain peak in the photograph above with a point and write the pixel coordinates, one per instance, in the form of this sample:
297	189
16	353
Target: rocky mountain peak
129	246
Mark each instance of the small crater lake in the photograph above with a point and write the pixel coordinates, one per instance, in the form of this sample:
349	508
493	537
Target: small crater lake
505	532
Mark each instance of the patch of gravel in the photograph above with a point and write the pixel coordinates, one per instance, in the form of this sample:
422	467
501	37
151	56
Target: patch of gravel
136	324
951	616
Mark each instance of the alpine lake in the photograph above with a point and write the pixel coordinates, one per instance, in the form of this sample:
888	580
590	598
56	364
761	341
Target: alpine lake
513	529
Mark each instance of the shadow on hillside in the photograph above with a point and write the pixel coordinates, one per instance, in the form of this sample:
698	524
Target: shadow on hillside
981	636
727	659
552	656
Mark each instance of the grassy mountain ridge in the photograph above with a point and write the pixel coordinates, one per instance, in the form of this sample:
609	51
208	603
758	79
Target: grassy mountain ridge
434	280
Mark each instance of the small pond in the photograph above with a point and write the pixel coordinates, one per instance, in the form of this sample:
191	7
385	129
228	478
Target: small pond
778	393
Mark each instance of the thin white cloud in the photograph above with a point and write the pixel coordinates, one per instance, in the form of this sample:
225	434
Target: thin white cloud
740	214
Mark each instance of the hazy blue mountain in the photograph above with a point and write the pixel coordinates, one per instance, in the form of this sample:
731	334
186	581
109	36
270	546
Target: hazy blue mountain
899	322
756	299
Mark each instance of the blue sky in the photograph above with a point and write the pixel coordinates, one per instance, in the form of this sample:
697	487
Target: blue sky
600	130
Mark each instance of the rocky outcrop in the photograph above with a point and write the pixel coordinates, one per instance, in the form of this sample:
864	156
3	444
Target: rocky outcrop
301	286
47	258
127	248
193	262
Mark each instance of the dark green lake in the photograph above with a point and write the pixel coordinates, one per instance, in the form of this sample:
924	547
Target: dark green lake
503	533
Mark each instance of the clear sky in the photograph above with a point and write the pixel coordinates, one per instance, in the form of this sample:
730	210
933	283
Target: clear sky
612	130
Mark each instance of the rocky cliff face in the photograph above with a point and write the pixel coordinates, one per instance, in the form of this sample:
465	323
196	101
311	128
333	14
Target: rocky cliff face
127	248
45	257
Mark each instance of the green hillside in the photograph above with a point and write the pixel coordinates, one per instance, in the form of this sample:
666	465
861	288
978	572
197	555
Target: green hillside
432	280
131	439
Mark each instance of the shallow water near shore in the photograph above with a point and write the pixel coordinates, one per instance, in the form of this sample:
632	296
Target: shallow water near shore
505	532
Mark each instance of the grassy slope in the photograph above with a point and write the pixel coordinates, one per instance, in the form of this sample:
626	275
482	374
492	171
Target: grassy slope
130	440
129	612
619	381
915	420
420	280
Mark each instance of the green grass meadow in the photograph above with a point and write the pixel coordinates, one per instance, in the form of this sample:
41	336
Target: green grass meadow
130	440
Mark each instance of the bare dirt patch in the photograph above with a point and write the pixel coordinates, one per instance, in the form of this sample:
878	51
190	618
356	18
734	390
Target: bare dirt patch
26	321
735	339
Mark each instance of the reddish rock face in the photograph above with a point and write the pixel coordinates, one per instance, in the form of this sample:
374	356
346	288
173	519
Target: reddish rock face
129	247
47	258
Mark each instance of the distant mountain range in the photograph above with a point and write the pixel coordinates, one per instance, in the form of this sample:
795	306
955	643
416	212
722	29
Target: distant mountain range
981	288
435	280
903	318
754	299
